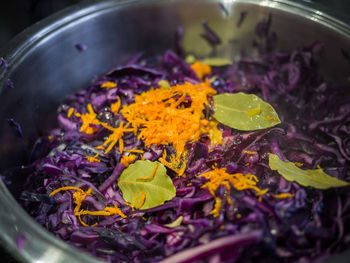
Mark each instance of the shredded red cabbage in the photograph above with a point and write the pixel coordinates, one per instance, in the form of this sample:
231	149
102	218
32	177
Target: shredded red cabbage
315	130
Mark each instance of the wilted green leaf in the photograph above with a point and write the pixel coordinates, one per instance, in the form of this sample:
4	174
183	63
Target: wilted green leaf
216	62
137	184
315	178
245	112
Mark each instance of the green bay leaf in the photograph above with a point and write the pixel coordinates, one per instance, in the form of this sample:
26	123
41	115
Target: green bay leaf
137	181
245	112
315	178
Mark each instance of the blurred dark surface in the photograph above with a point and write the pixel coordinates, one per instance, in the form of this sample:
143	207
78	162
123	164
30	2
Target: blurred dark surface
16	15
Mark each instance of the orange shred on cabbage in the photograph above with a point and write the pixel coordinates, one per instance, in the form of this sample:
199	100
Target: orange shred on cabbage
201	69
171	116
219	177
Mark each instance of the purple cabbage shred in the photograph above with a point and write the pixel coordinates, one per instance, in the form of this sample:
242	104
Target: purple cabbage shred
309	227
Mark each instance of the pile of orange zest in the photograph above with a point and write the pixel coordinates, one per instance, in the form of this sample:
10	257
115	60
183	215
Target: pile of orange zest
175	164
128	159
108	85
134	151
92	159
219	177
201	69
70	112
116	106
249	152
88	119
151	175
283	195
162	118
115	137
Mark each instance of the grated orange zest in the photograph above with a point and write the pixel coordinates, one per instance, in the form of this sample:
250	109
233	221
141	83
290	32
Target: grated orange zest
79	196
151	175
135	201
128	159
298	164
142	199
134	151
176	164
116	106
108	85
88	119
215	135
83	223
70	112
108	211
283	195
115	137
65	188
130	205
217	207
249	152
219	177
201	69
92	159
121	145
171	116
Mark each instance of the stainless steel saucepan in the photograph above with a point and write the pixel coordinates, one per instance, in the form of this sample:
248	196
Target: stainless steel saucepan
45	65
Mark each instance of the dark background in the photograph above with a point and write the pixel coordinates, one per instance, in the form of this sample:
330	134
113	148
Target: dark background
16	15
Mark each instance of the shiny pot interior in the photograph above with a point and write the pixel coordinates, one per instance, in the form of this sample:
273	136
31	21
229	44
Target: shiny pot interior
45	66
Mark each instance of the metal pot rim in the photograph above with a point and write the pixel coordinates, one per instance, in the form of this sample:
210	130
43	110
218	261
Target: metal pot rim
23	43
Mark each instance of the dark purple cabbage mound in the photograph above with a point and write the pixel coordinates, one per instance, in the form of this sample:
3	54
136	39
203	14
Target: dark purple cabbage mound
315	130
